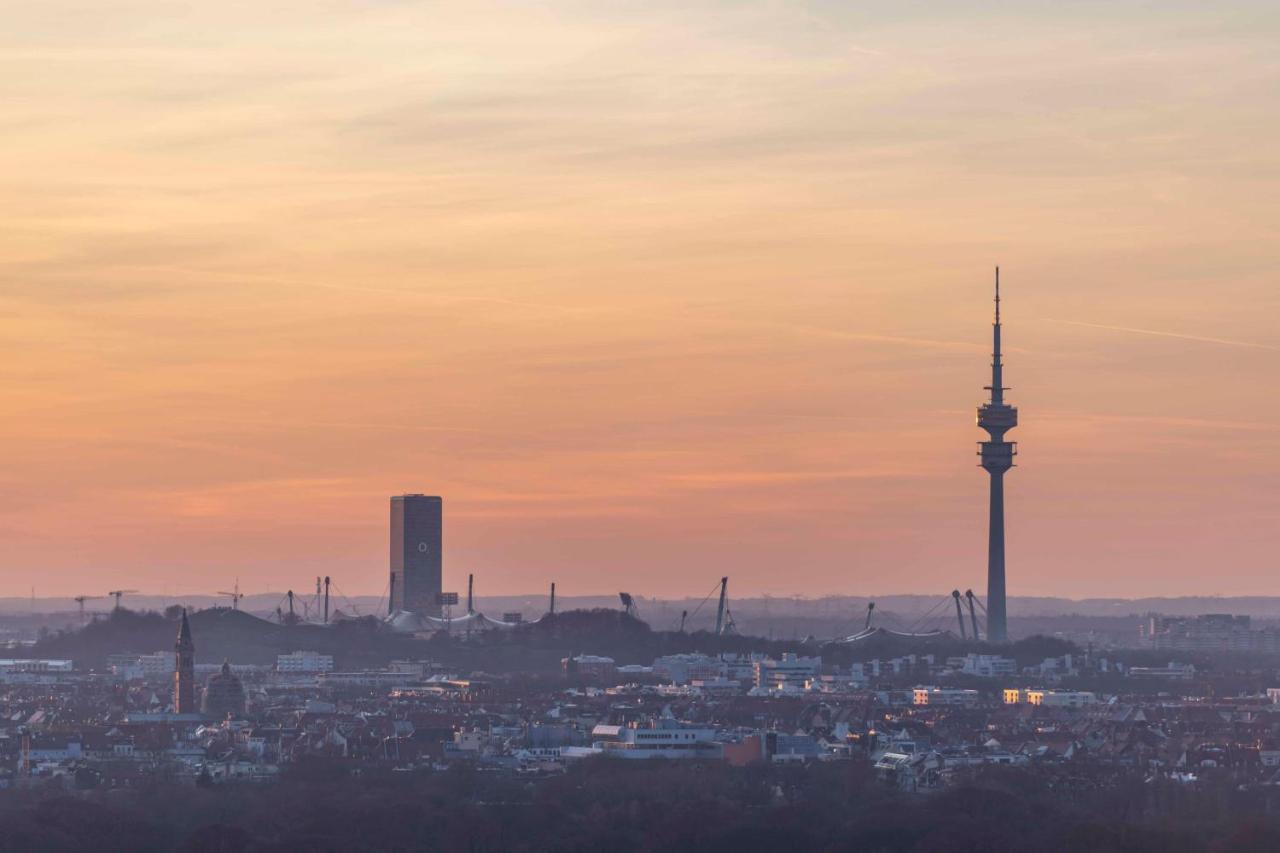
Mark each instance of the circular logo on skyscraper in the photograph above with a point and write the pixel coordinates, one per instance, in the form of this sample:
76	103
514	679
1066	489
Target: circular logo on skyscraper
422	547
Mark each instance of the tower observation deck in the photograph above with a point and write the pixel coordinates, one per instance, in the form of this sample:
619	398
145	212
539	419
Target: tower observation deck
997	417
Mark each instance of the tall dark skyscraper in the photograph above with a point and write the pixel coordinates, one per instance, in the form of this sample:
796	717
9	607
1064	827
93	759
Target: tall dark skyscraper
997	417
417	539
184	673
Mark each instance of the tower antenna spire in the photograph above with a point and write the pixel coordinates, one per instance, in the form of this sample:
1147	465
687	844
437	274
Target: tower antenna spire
997	294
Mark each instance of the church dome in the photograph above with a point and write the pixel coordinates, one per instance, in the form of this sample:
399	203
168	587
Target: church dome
223	694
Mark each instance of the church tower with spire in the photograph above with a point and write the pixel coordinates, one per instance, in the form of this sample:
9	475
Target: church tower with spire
997	417
184	674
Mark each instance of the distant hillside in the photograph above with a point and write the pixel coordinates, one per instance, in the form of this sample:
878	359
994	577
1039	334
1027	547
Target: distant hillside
225	633
222	633
779	616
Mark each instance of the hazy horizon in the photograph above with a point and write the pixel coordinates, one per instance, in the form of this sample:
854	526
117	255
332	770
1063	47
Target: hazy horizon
656	292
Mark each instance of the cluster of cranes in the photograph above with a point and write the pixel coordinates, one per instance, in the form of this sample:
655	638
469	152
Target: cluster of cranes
117	594
321	601
724	618
925	626
930	623
724	623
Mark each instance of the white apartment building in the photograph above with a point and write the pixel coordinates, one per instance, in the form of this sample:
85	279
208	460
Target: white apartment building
789	671
35	665
1061	698
662	739
27	671
304	662
987	666
157	665
1173	670
684	668
741	667
367	678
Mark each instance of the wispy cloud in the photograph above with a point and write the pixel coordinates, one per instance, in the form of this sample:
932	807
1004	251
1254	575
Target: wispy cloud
735	479
1060	416
1203	339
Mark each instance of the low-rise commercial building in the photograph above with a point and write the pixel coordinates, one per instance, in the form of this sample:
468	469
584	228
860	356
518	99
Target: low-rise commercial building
946	696
1175	670
663	738
590	666
1049	698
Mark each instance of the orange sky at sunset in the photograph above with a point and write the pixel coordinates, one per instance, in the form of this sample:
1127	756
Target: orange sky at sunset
650	292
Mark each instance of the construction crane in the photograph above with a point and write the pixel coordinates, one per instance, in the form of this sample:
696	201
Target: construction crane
119	594
235	594
81	599
955	594
730	627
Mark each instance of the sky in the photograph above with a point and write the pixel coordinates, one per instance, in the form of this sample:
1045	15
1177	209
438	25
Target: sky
649	292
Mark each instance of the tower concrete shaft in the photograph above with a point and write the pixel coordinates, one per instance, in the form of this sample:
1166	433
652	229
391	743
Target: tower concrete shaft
997	418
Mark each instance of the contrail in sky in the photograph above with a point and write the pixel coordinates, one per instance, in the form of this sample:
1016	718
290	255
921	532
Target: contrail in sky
1178	335
839	334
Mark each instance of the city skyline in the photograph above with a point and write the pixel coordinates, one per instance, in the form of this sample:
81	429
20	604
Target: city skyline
704	294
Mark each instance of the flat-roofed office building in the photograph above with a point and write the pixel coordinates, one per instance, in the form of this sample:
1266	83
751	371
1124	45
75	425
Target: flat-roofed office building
417	539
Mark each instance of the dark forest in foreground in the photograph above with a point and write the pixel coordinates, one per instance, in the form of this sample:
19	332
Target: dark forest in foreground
615	806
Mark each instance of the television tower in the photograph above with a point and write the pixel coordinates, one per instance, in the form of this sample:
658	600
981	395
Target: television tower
997	417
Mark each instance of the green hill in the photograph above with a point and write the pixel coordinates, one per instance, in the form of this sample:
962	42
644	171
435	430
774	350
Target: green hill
222	633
